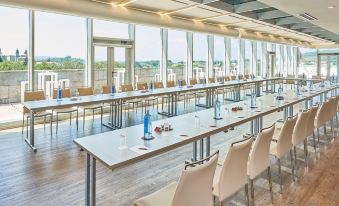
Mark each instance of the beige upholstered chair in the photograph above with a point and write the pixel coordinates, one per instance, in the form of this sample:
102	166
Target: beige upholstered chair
193	189
282	143
310	126
147	101
142	86
320	118
232	174
88	91
170	84
158	85
259	159
34	96
127	87
134	102
299	134
66	93
211	80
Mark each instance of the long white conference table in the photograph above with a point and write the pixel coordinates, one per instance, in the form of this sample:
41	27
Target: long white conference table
118	98
122	147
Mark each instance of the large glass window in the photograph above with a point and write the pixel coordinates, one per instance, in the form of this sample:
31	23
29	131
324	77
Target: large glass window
219	56
102	28
177	55
147	54
14	34
308	62
278	59
200	48
235	47
60	51
259	59
248	57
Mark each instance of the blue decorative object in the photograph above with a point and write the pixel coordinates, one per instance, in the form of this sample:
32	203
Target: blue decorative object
59	94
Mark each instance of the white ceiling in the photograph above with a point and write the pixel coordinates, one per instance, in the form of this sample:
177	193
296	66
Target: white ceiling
327	18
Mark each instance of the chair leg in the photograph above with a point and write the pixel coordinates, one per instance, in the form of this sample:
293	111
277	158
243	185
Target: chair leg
57	123
292	164
51	124
279	167
70	118
315	145
306	152
83	118
252	191
26	127
295	160
44	122
23	124
270	182
93	115
77	120
318	134
246	194
102	111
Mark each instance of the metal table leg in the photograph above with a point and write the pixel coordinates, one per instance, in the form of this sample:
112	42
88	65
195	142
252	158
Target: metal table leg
90	192
30	142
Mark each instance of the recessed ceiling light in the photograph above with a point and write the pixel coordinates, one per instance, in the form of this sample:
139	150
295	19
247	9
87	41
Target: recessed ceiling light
331	7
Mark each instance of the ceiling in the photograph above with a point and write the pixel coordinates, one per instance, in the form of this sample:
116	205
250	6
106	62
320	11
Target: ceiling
275	17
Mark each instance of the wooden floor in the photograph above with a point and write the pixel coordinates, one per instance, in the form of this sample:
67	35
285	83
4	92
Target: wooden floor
55	174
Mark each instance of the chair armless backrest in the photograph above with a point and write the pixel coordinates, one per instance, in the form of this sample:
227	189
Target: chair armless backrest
85	91
299	131
284	139
66	93
202	81
142	86
233	77
310	120
106	89
126	87
246	76
320	117
158	85
193	81
227	78
183	82
259	156
211	80
170	84
32	96
334	103
195	185
234	170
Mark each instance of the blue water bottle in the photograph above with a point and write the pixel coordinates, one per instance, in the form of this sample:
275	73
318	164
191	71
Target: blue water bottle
112	90
180	84
253	99
147	126
217	106
59	93
151	86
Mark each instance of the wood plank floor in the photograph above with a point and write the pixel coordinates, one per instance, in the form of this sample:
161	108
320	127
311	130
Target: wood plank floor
55	174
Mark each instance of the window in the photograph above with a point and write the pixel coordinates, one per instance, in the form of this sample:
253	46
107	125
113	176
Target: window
177	55
14	34
278	59
110	29
219	57
147	54
60	51
200	48
248	57
234	56
308	62
259	59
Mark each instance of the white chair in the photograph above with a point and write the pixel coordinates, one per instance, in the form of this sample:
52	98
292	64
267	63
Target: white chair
232	174
193	189
282	143
259	159
320	118
299	134
310	126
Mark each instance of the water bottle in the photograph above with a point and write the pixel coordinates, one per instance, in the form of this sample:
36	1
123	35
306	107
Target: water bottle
217	105
180	84
280	90
59	93
147	126
298	88
112	90
253	99
151	86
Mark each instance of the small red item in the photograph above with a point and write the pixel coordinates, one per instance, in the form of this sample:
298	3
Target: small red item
157	129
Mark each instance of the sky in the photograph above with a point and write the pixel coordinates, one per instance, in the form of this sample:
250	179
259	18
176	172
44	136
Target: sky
62	35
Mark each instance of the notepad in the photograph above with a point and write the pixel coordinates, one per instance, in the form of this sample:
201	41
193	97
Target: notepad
140	149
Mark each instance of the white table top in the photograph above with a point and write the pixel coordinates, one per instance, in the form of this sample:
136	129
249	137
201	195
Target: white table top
105	146
103	98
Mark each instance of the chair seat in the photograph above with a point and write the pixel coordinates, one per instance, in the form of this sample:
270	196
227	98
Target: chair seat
39	114
65	110
90	106
162	197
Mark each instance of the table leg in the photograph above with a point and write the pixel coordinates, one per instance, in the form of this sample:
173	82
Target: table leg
30	142
208	146
201	149
90	193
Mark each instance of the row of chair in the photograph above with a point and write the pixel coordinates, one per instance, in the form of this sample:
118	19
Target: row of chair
201	183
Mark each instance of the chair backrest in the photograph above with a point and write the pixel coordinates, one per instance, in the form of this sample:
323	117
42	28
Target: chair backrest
320	117
170	84
195	185
233	77
158	85
284	139
183	82
142	86
85	91
259	156
227	78
106	89
234	170
246	76
32	96
334	104
211	80
193	81
310	120
66	93
299	131
127	87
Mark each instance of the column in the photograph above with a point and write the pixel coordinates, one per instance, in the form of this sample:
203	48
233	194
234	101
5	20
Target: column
189	67
131	68
227	56
90	54
164	55
210	59
31	51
